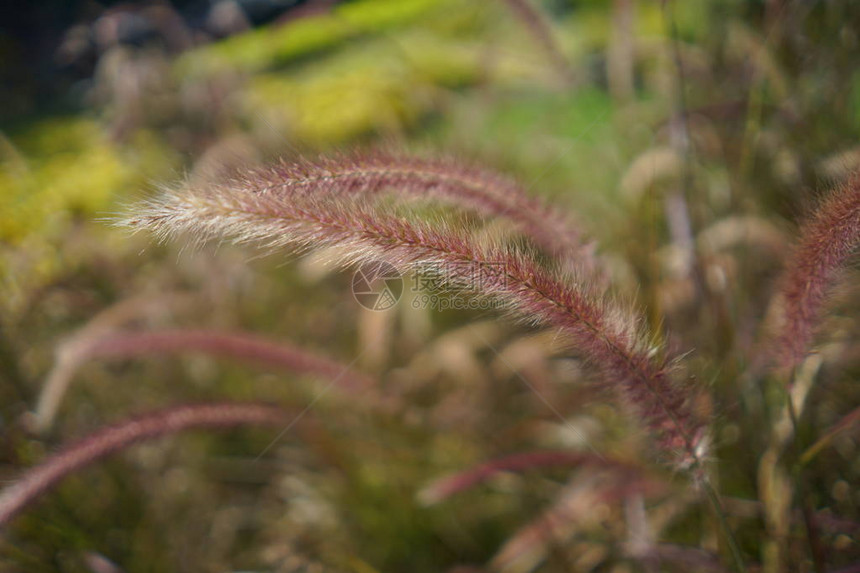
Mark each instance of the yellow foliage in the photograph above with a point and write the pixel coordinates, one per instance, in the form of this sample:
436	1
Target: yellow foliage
269	46
381	86
330	108
53	170
59	167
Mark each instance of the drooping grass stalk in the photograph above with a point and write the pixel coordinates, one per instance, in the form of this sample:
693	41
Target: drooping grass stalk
446	487
441	178
38	480
237	345
826	241
849	420
602	332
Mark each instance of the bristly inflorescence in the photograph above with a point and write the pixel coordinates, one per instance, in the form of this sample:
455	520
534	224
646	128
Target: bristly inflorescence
109	440
826	241
301	218
439	178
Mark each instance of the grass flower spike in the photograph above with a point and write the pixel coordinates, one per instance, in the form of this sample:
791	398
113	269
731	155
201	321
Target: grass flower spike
442	179
826	242
39	479
604	333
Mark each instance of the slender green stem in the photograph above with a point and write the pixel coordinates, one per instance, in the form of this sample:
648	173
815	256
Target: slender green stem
734	548
800	491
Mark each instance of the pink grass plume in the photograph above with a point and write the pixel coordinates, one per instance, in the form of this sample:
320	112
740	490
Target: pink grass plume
826	241
359	231
40	479
443	179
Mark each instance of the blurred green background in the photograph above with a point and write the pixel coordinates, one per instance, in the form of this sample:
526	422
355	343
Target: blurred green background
745	108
